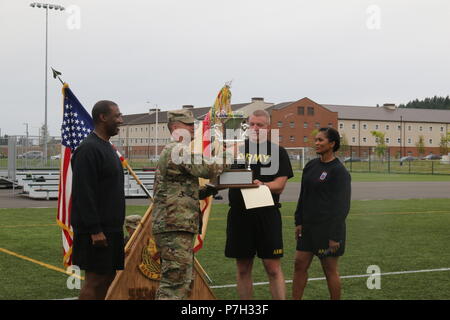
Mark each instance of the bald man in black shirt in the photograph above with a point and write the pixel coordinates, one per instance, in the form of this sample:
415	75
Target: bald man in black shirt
98	204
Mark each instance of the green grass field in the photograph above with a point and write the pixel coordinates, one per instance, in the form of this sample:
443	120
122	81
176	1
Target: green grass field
396	235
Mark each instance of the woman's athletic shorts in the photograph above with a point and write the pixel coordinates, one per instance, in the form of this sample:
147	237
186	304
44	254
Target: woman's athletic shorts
255	231
315	239
100	260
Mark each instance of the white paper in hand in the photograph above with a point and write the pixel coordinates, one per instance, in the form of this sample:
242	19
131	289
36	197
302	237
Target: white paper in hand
257	197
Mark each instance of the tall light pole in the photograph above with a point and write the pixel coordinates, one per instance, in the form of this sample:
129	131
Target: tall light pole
26	146
56	7
156	129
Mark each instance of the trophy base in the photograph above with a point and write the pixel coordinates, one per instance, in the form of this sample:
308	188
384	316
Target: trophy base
235	178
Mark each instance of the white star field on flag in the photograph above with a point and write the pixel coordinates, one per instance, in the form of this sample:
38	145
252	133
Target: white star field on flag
74	128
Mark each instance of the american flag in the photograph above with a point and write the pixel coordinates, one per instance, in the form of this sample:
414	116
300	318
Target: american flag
77	124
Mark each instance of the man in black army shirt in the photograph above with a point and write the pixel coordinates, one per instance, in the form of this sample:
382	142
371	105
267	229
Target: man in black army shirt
259	231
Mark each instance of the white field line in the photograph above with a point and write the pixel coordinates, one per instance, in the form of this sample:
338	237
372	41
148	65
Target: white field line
343	277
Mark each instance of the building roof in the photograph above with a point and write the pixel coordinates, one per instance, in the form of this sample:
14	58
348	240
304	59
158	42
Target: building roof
131	117
345	112
279	106
145	118
386	114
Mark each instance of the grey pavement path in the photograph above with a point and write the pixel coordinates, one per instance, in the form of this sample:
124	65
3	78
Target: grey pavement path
360	191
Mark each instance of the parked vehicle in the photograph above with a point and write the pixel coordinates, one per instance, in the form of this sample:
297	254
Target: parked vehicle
432	157
354	159
31	155
408	158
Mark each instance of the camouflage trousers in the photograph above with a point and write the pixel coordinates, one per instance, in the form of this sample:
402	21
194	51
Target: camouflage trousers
177	259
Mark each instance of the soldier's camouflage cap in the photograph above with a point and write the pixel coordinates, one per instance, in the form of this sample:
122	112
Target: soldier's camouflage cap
184	116
132	221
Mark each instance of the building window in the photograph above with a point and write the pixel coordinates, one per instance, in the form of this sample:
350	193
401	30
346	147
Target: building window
341	126
353	139
399	127
442	129
377	127
301	111
353	126
399	140
430	141
387	127
365	126
280	124
291	124
305	125
409	128
364	139
409	141
310	111
330	125
431	129
317	125
305	139
420	128
387	140
292	138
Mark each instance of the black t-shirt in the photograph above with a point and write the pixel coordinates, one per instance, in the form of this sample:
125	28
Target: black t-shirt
324	196
98	196
265	167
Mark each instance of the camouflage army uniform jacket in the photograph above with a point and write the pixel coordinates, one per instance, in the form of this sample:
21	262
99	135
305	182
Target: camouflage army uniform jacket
176	204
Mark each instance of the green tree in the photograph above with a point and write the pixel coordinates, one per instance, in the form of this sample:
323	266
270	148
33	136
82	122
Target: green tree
420	145
443	145
344	145
312	137
429	103
381	147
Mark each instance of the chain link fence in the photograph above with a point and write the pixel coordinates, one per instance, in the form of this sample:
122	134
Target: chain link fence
29	155
391	160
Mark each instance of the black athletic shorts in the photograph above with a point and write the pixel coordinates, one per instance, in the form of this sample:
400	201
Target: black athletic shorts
99	260
255	231
315	239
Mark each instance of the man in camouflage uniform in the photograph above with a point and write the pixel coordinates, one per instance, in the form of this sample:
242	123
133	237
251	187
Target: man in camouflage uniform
176	209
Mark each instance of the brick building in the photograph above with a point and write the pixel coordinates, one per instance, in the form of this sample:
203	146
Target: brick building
296	121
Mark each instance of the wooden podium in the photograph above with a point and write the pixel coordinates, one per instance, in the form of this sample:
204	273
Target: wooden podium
140	278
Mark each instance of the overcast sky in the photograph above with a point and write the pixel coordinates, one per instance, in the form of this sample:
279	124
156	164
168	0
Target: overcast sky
171	53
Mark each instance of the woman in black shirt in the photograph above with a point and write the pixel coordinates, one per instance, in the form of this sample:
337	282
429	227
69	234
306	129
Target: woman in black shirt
323	205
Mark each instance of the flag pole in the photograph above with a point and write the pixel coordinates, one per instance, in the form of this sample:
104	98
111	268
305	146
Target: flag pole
56	74
124	161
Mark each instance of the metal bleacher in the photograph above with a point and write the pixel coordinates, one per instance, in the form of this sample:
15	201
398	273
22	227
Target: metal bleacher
44	184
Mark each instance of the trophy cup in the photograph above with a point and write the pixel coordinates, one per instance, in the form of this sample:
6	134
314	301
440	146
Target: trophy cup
232	122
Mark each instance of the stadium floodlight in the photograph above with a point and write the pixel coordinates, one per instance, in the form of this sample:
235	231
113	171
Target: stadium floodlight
56	7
